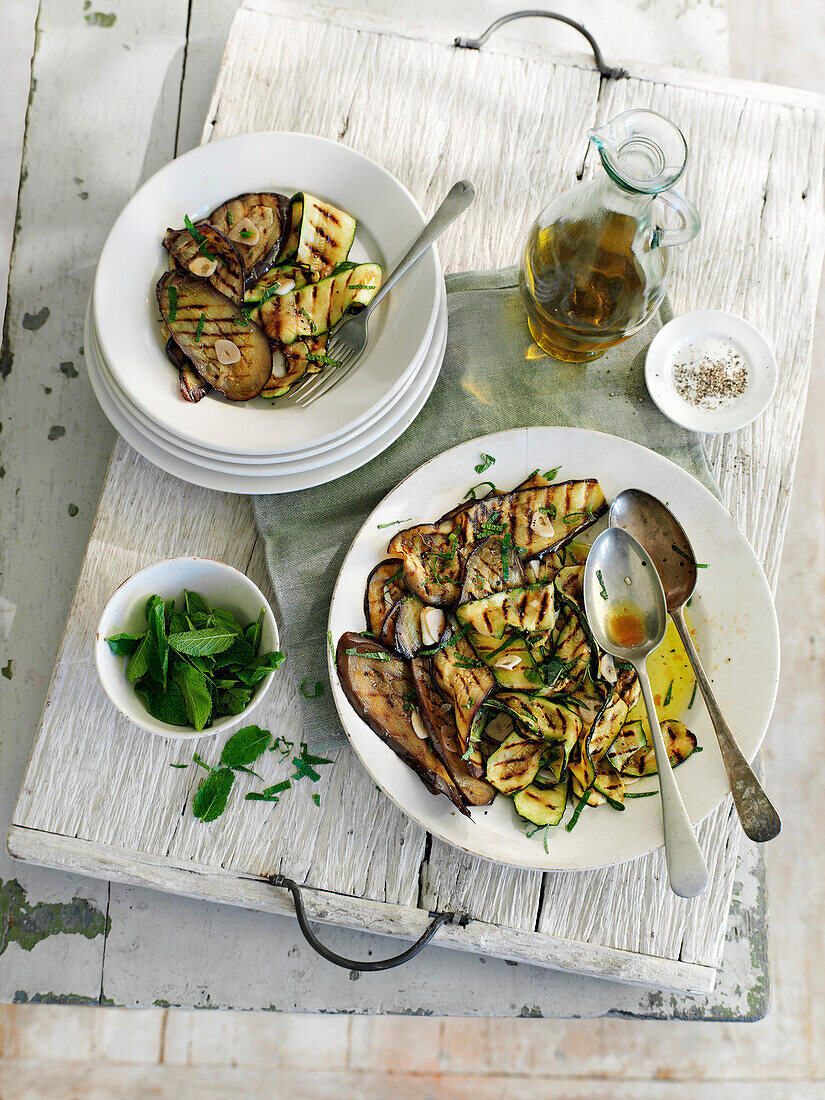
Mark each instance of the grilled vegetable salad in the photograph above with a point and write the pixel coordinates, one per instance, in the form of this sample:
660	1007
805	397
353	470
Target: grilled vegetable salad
254	289
478	667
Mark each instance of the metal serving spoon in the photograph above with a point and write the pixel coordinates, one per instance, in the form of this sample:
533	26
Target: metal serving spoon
655	526
626	610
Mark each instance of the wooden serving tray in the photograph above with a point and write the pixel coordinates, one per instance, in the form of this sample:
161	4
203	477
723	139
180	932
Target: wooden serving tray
98	795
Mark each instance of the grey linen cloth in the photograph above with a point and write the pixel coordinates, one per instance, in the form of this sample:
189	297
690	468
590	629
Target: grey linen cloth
493	378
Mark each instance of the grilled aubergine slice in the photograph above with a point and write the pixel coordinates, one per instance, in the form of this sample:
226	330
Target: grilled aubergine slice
439	721
538	520
199	318
203	245
265	212
385	588
491	569
192	387
381	691
466	682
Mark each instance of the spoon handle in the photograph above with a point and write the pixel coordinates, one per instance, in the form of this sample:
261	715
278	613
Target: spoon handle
686	867
759	818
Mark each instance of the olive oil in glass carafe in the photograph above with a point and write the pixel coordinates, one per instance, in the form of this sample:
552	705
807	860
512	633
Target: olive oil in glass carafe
595	263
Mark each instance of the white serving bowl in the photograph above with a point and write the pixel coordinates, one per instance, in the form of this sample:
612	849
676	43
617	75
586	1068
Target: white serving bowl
221	586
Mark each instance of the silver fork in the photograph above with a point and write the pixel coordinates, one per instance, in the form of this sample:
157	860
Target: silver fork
348	340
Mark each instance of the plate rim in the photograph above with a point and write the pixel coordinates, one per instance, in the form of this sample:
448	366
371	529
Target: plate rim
347	713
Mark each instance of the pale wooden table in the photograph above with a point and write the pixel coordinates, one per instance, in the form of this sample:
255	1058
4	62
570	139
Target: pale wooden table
82	448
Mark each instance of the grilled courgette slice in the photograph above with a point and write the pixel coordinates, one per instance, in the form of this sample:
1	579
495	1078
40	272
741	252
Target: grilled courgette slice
316	308
513	766
325	235
542	805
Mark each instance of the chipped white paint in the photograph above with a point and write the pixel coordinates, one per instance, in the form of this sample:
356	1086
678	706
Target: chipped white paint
494	895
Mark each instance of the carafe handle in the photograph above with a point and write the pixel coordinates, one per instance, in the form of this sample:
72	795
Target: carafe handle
687	214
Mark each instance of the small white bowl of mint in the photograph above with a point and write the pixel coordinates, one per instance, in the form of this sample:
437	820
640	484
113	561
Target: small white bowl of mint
710	371
187	647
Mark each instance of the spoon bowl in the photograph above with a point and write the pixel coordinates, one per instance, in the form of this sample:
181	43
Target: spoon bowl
623	597
654	525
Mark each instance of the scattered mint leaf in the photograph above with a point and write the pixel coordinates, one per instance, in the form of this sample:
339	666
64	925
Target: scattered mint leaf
178	765
486	462
316	798
245	746
213	794
471	493
551	475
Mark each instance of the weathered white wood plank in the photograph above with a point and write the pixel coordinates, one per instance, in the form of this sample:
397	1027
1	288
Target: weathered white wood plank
76	176
530	109
363	914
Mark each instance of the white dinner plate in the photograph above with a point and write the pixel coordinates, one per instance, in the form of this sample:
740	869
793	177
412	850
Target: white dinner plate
732	613
279	463
250	481
132	259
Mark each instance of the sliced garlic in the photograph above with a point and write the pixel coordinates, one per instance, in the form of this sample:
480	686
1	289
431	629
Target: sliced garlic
202	267
509	662
279	364
531	570
432	622
284	286
227	352
607	669
244	232
540	523
418	725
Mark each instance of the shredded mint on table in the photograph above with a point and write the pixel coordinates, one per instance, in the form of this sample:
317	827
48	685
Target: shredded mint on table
194	663
319	689
486	462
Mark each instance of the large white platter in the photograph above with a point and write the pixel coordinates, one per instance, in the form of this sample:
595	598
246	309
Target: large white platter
735	629
132	259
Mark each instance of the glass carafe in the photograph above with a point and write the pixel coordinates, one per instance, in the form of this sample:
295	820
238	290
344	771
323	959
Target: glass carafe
595	263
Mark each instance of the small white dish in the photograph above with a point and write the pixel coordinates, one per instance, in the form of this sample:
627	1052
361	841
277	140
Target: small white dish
221	586
718	337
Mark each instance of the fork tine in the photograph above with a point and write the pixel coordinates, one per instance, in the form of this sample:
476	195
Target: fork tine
309	385
332	380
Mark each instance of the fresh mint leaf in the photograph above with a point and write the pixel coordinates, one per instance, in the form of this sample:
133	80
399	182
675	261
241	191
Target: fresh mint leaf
232	700
239	653
260	668
192	602
199	760
226	619
254	630
124	645
202	643
178	623
245	746
158	651
197	697
139	663
164	705
213	794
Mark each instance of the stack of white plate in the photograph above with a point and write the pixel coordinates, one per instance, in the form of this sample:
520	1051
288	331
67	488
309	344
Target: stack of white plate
264	446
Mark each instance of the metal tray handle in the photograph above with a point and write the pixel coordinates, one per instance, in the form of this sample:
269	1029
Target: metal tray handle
477	43
352	964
